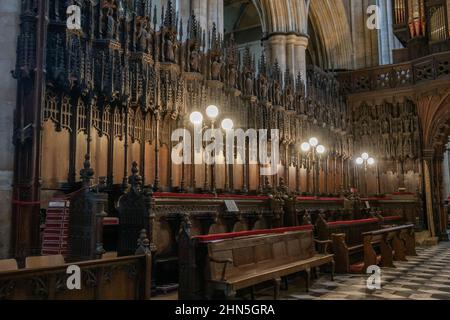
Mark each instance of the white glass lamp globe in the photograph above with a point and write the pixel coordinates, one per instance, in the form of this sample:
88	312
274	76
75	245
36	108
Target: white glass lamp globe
313	142
365	156
359	161
227	124
320	149
212	112
196	117
371	161
305	146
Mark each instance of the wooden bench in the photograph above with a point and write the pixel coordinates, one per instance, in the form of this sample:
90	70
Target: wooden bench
395	244
227	263
346	238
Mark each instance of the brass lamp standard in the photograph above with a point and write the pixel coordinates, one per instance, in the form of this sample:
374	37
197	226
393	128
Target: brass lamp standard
314	150
213	112
196	119
366	161
227	126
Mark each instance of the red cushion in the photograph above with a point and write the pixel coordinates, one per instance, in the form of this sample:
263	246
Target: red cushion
343	223
359	267
224	236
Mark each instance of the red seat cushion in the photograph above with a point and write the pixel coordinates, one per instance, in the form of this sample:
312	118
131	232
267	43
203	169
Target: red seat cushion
359	267
224	236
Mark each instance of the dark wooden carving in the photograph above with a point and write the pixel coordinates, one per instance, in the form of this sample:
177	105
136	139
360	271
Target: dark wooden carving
134	213
86	219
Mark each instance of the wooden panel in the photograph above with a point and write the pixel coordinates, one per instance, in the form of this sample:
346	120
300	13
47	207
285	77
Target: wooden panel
243	256
55	151
99	152
279	250
80	153
293	247
263	252
118	163
254	176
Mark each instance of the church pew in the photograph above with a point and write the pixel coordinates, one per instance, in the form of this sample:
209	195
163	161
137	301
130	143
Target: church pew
395	244
225	263
346	237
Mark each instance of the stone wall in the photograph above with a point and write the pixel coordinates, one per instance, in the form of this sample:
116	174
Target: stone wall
9	26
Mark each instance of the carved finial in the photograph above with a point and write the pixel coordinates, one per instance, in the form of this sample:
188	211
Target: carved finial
263	64
247	60
306	218
300	84
194	29
276	72
288	77
155	18
169	19
282	185
231	52
87	174
143	243
267	187
135	180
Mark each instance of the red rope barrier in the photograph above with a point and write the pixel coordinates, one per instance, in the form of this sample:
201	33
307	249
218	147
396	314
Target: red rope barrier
35	203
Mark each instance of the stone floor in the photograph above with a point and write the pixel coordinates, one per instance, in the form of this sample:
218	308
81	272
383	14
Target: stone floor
425	277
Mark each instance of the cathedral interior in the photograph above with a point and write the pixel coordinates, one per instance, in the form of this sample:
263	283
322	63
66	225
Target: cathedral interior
224	149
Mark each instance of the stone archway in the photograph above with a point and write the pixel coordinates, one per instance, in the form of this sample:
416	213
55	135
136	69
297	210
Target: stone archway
434	111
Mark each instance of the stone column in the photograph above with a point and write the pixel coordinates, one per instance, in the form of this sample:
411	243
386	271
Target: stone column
300	56
386	38
276	50
290	52
9	15
220	16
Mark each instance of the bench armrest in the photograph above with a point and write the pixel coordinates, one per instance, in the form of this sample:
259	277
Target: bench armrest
225	262
323	245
